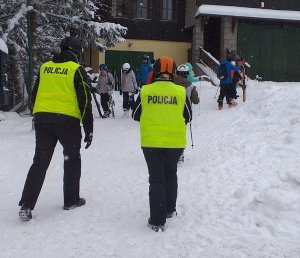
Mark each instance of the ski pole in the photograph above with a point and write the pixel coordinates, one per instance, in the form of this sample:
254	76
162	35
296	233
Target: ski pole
191	135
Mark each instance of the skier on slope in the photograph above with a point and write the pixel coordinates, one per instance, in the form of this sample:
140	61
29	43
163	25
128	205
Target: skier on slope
225	72
104	88
128	88
182	72
163	110
61	101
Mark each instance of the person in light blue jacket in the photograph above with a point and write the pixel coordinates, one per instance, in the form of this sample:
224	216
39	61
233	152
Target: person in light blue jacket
191	76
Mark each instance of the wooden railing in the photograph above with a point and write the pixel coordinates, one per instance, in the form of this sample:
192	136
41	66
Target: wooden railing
207	59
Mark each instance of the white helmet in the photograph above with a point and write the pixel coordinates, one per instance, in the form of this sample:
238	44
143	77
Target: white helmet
126	67
182	70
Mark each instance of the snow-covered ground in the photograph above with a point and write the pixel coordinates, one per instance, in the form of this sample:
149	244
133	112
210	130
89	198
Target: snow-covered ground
239	188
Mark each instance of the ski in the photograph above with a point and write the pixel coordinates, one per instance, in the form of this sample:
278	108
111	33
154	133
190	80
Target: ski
97	104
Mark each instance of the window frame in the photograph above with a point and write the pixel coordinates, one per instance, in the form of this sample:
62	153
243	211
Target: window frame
173	10
148	9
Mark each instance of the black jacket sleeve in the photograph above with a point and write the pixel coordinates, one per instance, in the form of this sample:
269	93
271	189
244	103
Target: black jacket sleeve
82	88
187	112
137	109
35	90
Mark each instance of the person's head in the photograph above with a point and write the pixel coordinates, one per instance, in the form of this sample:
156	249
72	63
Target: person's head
164	68
126	67
72	44
103	68
146	58
190	66
182	70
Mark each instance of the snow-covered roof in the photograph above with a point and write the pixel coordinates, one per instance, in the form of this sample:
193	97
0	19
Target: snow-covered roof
235	11
3	46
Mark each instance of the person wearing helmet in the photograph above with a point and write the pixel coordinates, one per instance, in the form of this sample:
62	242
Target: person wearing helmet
182	73
144	70
61	102
104	87
225	71
163	111
191	77
128	88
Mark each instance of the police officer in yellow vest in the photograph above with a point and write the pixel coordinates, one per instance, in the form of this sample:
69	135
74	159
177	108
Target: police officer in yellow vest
61	102
163	111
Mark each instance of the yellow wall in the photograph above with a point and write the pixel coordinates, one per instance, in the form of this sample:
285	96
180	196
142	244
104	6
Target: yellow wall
177	50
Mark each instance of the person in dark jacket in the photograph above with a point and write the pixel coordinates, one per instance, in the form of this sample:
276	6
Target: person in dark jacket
182	73
163	111
61	102
227	89
181	78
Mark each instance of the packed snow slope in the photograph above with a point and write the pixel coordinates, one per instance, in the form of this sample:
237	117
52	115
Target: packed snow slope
239	187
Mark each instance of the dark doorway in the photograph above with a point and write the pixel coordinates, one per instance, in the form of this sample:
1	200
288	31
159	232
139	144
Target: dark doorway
212	36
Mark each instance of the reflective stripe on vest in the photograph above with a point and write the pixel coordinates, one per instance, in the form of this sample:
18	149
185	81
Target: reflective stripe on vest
162	123
56	92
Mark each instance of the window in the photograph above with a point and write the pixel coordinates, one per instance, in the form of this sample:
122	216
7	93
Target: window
120	8
167	10
143	9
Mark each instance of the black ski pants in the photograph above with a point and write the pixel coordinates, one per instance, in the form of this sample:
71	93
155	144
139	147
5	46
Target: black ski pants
226	90
128	100
104	101
162	168
126	104
47	136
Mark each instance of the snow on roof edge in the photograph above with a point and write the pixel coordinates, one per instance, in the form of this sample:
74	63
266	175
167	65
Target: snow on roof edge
3	46
248	12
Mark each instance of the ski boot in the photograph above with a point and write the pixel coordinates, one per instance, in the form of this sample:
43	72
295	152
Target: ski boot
171	214
80	202
106	114
25	213
161	228
232	103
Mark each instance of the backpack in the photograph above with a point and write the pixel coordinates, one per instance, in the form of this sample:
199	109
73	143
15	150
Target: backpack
222	72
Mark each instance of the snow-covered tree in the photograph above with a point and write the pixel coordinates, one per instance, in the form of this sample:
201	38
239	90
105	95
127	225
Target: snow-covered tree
50	21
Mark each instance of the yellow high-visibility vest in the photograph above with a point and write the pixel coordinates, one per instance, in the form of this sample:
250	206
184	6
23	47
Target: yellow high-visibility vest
162	124
56	92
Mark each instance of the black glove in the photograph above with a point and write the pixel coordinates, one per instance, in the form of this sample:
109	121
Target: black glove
88	139
137	91
93	90
120	91
109	83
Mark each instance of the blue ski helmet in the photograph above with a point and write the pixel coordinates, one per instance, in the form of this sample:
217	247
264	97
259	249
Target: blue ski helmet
103	67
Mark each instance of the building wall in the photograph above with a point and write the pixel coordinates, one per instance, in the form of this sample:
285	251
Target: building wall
198	40
177	50
190	12
155	28
228	37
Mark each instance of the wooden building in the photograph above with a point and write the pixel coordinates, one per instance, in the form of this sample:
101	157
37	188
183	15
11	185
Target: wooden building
266	32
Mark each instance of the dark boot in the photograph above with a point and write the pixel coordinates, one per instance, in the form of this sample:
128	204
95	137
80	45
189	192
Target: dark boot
25	213
80	202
